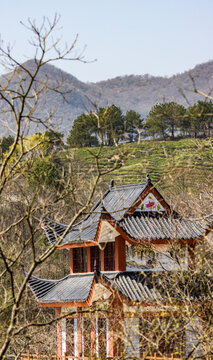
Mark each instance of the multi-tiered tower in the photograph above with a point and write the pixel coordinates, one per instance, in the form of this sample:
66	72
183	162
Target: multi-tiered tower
120	254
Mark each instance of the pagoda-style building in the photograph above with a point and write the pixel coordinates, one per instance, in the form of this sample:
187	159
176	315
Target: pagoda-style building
124	259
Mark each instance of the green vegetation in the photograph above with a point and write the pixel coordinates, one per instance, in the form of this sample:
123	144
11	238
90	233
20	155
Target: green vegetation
51	162
164	121
186	159
107	124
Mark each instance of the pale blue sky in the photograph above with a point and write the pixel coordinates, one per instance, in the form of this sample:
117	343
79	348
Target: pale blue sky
159	37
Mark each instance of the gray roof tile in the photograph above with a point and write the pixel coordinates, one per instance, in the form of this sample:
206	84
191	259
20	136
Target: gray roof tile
137	286
152	286
74	287
154	226
116	201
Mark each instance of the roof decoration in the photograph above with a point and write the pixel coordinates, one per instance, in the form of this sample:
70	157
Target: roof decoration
148	180
150	203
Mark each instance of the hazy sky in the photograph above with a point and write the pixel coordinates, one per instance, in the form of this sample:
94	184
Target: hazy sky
159	37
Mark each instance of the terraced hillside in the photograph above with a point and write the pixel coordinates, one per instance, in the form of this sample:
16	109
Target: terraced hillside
182	164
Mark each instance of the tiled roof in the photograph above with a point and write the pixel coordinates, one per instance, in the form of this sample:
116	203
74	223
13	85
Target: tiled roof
84	230
120	198
52	229
74	287
140	226
154	226
136	286
116	201
158	286
41	287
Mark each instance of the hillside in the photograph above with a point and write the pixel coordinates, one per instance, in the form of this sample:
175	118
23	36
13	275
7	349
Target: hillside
139	92
179	168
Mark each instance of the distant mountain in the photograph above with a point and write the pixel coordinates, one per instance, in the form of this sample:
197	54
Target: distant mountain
137	92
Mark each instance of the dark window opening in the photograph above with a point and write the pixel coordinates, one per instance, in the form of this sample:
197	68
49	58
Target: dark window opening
86	338
79	260
94	255
70	337
109	256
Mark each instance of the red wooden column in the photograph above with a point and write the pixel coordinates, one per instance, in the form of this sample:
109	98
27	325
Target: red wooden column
102	260
59	333
88	260
120	254
71	261
79	334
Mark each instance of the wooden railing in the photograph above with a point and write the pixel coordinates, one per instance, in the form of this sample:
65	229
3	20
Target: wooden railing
29	356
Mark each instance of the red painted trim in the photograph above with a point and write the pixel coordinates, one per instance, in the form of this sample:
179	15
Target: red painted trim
71	261
65	304
78	245
150	189
102	259
141	197
88	260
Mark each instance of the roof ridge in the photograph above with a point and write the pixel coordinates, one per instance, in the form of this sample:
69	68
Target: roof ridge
127	185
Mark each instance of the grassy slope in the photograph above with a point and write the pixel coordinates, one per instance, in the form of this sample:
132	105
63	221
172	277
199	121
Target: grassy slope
182	170
177	159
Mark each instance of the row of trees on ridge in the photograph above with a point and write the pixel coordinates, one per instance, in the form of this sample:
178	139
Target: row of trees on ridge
164	121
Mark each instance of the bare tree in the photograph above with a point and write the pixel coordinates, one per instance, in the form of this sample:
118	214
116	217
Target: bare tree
21	242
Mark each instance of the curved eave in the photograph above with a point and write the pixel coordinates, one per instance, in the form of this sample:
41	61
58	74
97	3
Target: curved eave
156	240
84	242
72	290
75	303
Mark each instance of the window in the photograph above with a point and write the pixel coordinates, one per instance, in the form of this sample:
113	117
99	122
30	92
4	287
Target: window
79	260
70	346
109	256
94	255
86	338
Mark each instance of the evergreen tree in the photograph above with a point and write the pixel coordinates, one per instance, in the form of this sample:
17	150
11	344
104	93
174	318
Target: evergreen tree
164	119
133	124
83	132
